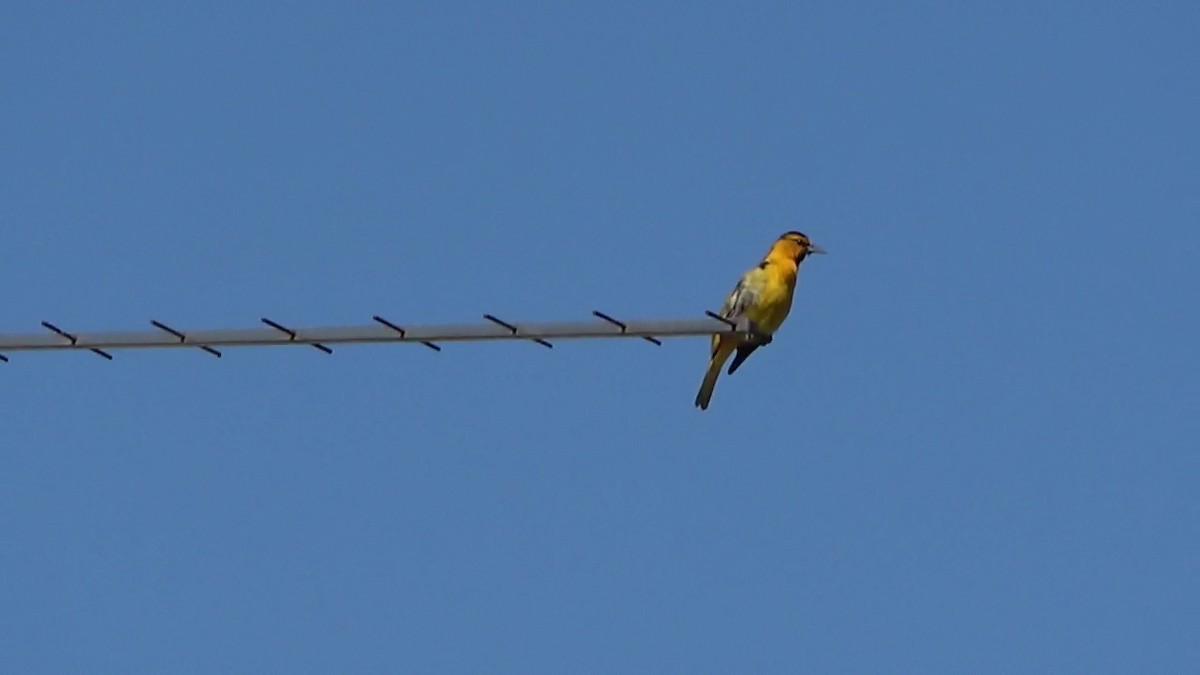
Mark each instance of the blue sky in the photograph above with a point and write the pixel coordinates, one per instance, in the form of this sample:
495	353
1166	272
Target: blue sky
973	447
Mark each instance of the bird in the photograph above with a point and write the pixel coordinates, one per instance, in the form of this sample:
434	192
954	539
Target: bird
764	296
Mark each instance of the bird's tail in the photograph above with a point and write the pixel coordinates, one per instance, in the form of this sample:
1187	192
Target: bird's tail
723	349
710	381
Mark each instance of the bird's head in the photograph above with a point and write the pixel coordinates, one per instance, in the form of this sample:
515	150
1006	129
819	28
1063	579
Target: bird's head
794	245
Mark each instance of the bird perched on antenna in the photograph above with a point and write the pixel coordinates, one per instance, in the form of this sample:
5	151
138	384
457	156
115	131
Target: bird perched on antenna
764	296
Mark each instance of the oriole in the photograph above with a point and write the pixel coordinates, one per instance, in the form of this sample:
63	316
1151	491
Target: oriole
764	296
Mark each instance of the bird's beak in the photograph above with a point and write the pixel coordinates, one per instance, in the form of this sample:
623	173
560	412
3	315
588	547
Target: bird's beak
813	248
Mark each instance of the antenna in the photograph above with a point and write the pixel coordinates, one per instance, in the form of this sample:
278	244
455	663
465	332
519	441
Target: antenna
382	331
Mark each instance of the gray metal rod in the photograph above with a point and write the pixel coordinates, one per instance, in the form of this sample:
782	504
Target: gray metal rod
370	333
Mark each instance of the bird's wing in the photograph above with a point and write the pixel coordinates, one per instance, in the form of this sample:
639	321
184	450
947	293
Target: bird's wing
742	298
743	352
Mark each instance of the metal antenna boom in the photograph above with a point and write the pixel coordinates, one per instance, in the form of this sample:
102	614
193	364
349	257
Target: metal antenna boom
381	331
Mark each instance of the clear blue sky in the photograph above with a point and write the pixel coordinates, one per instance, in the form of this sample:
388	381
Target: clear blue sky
973	448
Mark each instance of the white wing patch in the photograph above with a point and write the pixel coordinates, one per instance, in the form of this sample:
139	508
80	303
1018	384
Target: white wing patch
739	300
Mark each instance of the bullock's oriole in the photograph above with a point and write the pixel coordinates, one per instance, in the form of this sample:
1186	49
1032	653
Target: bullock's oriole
764	296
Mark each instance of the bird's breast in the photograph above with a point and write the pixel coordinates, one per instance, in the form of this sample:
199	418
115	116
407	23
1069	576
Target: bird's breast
774	299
